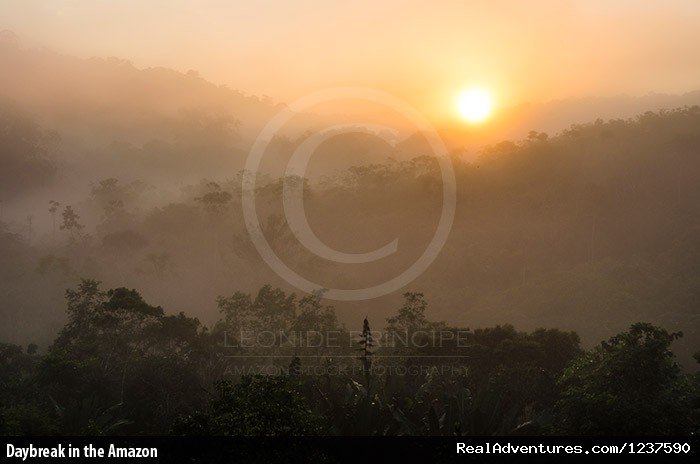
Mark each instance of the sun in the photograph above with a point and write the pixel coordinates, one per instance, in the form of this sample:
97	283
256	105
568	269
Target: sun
475	105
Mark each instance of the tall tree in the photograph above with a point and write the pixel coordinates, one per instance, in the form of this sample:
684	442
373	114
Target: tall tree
366	345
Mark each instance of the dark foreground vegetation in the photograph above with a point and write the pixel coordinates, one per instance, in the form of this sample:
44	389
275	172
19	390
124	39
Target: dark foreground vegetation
122	366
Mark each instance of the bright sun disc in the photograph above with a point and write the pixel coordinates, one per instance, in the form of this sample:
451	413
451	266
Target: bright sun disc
474	105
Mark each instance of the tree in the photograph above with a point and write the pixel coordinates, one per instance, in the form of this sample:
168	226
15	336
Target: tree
271	310
71	222
629	385
26	157
161	263
411	315
366	345
216	199
257	406
123	361
23	408
53	208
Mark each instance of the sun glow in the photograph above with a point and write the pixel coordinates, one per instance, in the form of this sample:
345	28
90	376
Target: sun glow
475	105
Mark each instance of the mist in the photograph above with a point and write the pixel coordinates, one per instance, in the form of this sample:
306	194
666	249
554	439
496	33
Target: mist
149	175
151	162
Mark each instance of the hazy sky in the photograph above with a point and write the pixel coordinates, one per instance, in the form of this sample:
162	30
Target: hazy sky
421	50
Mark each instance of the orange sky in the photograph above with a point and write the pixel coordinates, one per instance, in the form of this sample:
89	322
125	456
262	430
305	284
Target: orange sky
422	51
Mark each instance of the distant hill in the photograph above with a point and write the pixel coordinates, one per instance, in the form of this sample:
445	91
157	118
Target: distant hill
111	98
557	115
114	118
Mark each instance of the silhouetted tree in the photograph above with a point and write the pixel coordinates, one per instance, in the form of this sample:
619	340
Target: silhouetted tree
629	385
366	345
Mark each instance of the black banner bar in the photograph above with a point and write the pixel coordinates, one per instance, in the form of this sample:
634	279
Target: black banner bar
349	449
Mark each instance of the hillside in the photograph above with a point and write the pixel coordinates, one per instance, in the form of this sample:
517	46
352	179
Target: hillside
589	230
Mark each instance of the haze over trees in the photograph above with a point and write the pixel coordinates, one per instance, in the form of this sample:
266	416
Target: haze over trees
590	230
126	191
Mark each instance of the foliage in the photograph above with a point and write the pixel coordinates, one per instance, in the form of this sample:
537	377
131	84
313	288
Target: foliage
629	385
257	405
122	366
127	358
26	160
